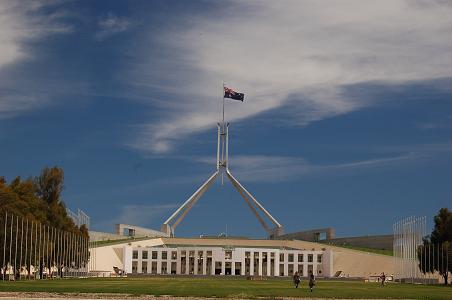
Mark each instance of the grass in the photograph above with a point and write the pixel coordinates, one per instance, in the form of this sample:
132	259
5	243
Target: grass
231	287
370	250
119	241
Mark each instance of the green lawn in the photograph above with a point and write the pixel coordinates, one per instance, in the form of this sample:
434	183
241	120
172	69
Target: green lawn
371	250
230	287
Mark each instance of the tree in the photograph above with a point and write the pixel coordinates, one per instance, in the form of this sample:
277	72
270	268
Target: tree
440	240
36	200
50	184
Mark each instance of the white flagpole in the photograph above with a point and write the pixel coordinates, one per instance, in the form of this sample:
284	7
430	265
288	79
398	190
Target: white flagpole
222	139
39	250
26	248
10	245
52	245
4	249
31	248
48	250
36	250
21	243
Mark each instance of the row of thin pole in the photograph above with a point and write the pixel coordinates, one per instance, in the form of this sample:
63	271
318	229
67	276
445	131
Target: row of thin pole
32	250
415	262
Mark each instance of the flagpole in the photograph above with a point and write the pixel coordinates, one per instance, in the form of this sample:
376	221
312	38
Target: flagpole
222	124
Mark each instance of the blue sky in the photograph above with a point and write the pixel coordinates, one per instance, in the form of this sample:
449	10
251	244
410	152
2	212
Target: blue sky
347	118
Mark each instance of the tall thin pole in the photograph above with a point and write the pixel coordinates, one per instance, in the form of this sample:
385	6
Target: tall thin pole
4	248
223	132
31	248
60	253
43	249
11	243
58	257
48	250
72	253
223	106
40	251
35	258
15	248
64	253
52	245
21	244
26	249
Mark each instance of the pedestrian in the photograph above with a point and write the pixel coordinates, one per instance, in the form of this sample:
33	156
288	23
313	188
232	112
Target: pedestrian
311	281
383	278
296	279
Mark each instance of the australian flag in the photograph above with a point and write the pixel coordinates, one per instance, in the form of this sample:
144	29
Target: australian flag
230	93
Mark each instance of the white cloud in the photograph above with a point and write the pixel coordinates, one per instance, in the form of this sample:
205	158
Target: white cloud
269	169
22	23
110	25
273	51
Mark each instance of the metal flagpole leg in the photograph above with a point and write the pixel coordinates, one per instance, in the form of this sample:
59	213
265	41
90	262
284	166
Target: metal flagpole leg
167	227
278	227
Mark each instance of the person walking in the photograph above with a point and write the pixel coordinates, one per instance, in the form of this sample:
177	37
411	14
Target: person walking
383	278
296	279
311	281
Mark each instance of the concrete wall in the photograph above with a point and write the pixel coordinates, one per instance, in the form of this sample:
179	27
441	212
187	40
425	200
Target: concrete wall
95	236
137	231
104	258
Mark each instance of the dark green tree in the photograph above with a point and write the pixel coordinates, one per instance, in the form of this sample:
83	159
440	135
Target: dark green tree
439	260
37	200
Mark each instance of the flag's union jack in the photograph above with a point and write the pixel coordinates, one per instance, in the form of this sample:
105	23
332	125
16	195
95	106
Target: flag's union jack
230	93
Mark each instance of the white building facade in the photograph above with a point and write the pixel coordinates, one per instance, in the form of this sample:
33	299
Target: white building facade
226	260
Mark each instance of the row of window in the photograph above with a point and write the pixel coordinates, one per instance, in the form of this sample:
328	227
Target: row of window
290	257
166	268
227	255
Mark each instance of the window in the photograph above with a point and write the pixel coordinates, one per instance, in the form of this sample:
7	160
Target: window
191	253
310	257
135	266
300	257
173	255
209	253
228	254
164	269
300	270
319	258
144	267
164	255
290	257
135	254
281	257
144	255
154	254
290	269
